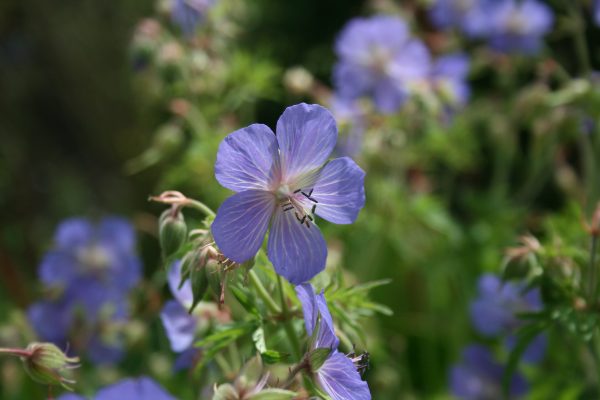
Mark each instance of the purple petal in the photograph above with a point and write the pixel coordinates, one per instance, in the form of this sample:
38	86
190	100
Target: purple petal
186	359
142	388
535	351
339	190
101	352
248	159
74	232
339	378
58	267
116	233
241	224
184	295
50	321
389	95
179	325
312	306
306	134
297	252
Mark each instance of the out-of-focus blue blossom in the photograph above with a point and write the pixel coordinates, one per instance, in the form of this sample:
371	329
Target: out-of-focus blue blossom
379	58
495	312
449	79
479	377
519	26
468	15
338	375
596	11
188	14
350	119
91	268
180	326
283	181
142	388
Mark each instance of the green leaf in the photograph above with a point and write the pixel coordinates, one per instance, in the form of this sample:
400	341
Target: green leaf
273	394
273	357
247	301
258	337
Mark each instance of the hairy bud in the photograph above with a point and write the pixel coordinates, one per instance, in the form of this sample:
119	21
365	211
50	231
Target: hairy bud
172	231
45	363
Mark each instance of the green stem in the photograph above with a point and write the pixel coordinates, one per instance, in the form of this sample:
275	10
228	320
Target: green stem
593	271
287	321
200	206
223	364
579	36
262	292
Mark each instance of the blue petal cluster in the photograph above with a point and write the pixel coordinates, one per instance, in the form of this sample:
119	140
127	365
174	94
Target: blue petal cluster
189	14
495	312
89	271
379	58
338	376
478	377
142	388
509	25
182	327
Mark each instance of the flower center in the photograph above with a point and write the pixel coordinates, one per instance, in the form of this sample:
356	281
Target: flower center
93	258
516	23
296	202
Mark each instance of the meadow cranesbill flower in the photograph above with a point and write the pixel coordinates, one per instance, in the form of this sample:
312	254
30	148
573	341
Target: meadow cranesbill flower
378	58
467	15
519	26
180	326
90	271
284	181
142	388
495	312
479	377
188	14
338	374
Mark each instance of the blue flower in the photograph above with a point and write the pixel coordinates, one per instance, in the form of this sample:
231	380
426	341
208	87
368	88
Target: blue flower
449	79
468	15
91	270
142	388
379	58
182	327
283	181
495	312
519	26
188	14
479	377
596	12
338	375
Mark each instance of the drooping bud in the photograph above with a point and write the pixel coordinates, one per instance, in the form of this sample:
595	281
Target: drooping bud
47	364
172	231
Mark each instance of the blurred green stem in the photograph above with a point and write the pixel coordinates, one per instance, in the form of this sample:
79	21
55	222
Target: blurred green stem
262	293
593	273
581	49
201	207
289	328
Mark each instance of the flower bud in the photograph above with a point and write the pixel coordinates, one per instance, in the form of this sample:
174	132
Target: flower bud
47	364
172	231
